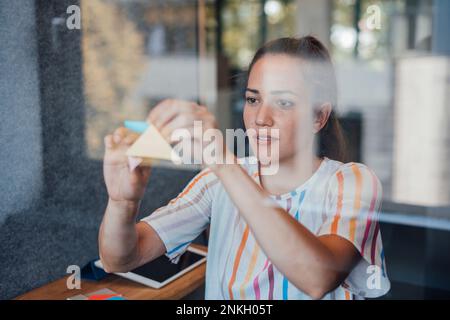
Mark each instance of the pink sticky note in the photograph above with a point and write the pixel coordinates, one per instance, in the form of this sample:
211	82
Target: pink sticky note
133	163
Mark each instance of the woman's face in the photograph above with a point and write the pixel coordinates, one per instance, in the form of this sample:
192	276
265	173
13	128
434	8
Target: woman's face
277	114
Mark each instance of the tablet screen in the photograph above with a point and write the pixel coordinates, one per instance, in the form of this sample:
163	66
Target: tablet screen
162	269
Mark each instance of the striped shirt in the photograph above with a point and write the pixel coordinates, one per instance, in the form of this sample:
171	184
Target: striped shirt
340	199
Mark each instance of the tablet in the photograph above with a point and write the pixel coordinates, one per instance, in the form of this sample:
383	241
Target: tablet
159	272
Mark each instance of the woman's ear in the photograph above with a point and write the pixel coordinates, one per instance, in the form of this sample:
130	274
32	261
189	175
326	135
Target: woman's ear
322	114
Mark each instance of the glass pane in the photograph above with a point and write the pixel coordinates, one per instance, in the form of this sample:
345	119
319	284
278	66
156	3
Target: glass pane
68	88
135	53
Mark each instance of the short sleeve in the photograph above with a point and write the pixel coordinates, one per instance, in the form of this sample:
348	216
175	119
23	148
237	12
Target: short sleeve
352	211
186	216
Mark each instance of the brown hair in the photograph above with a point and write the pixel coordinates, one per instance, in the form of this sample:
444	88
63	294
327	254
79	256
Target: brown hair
322	81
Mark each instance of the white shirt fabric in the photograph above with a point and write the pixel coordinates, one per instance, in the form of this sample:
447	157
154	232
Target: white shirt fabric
341	199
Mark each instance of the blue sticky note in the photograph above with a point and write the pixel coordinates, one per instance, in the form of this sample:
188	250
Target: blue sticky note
136	126
116	298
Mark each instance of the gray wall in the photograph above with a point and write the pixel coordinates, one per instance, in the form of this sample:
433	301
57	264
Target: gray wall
52	198
20	128
40	238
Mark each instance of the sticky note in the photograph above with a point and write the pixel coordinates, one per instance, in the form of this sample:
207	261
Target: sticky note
136	126
133	162
150	147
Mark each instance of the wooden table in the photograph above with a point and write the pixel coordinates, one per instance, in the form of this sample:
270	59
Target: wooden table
130	290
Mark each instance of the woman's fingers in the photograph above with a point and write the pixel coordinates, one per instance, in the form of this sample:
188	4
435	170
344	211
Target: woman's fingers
176	121
130	138
167	110
181	121
167	116
109	143
171	115
119	134
162	113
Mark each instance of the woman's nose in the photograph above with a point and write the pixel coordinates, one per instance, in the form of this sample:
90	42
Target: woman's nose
264	116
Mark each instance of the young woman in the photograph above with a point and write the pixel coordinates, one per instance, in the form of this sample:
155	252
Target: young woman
308	231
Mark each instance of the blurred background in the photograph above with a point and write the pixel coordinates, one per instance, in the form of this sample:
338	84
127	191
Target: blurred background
63	90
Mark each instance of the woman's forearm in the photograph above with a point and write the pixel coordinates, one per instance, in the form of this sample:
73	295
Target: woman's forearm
118	236
292	248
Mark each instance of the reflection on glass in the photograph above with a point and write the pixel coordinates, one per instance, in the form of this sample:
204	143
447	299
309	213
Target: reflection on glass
135	53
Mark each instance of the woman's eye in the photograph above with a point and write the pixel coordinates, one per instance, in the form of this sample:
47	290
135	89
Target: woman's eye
251	100
285	103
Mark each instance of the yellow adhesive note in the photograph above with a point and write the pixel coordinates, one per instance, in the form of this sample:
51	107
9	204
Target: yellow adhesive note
151	147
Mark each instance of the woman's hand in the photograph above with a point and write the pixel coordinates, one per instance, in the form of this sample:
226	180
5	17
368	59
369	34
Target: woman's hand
123	185
192	124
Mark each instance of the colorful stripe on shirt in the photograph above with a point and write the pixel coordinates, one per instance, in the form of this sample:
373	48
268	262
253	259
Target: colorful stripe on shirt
250	270
337	217
371	212
253	260
191	185
237	260
297	217
356	203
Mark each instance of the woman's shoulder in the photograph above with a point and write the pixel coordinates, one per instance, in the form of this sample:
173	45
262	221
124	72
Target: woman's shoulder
349	168
205	180
207	175
353	175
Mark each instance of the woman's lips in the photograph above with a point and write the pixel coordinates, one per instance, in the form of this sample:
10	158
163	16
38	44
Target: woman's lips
265	139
